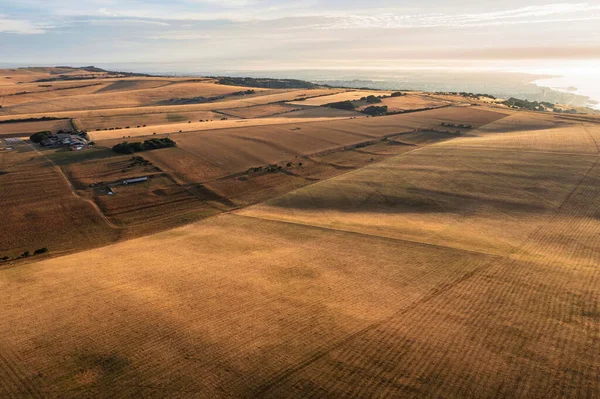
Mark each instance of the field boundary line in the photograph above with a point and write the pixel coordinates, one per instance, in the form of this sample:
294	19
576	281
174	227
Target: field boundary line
576	188
13	373
73	191
591	136
435	292
417	243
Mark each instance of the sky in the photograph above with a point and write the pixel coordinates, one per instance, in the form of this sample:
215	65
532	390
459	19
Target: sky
297	33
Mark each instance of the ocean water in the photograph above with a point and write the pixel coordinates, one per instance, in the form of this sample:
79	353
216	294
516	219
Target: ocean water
582	78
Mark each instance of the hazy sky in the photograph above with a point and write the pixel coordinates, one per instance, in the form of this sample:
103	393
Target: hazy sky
295	33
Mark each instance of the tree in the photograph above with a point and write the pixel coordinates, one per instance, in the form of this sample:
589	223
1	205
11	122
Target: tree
346	105
40	136
375	110
373	99
40	251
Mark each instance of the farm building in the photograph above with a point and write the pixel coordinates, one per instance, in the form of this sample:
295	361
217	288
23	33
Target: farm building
64	139
136	180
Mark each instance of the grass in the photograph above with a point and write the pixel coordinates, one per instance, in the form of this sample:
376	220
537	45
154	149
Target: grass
176	118
395	262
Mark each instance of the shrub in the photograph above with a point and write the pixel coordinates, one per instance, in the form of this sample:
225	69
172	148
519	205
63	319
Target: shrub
25	254
397	94
152	144
40	251
347	105
372	99
375	110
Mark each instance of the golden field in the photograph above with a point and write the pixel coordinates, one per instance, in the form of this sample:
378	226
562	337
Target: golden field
385	258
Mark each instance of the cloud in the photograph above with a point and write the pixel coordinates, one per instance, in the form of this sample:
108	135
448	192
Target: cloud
125	21
561	12
19	26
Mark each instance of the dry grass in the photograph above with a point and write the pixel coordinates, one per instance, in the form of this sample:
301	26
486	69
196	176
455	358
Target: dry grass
151	206
40	210
113	99
199	127
259	111
410	102
202	156
261	97
440	272
150	119
430	265
347	95
26	129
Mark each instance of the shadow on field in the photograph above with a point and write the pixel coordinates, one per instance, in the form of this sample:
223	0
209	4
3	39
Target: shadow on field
66	157
410	200
500	128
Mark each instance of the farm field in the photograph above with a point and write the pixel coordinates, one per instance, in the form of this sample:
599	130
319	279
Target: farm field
36	103
350	95
196	126
218	153
410	102
40	210
442	271
20	129
260	111
94	123
310	253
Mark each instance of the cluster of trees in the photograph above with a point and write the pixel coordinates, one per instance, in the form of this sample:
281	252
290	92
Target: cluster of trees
267	83
372	99
473	95
346	105
397	94
271	168
42	119
26	254
564	111
375	110
152	144
40	136
526	104
117	128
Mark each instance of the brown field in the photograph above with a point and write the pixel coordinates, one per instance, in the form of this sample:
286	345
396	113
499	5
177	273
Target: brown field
410	102
195	126
260	111
320	112
348	95
50	102
150	119
39	209
151	206
383	258
206	155
26	129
